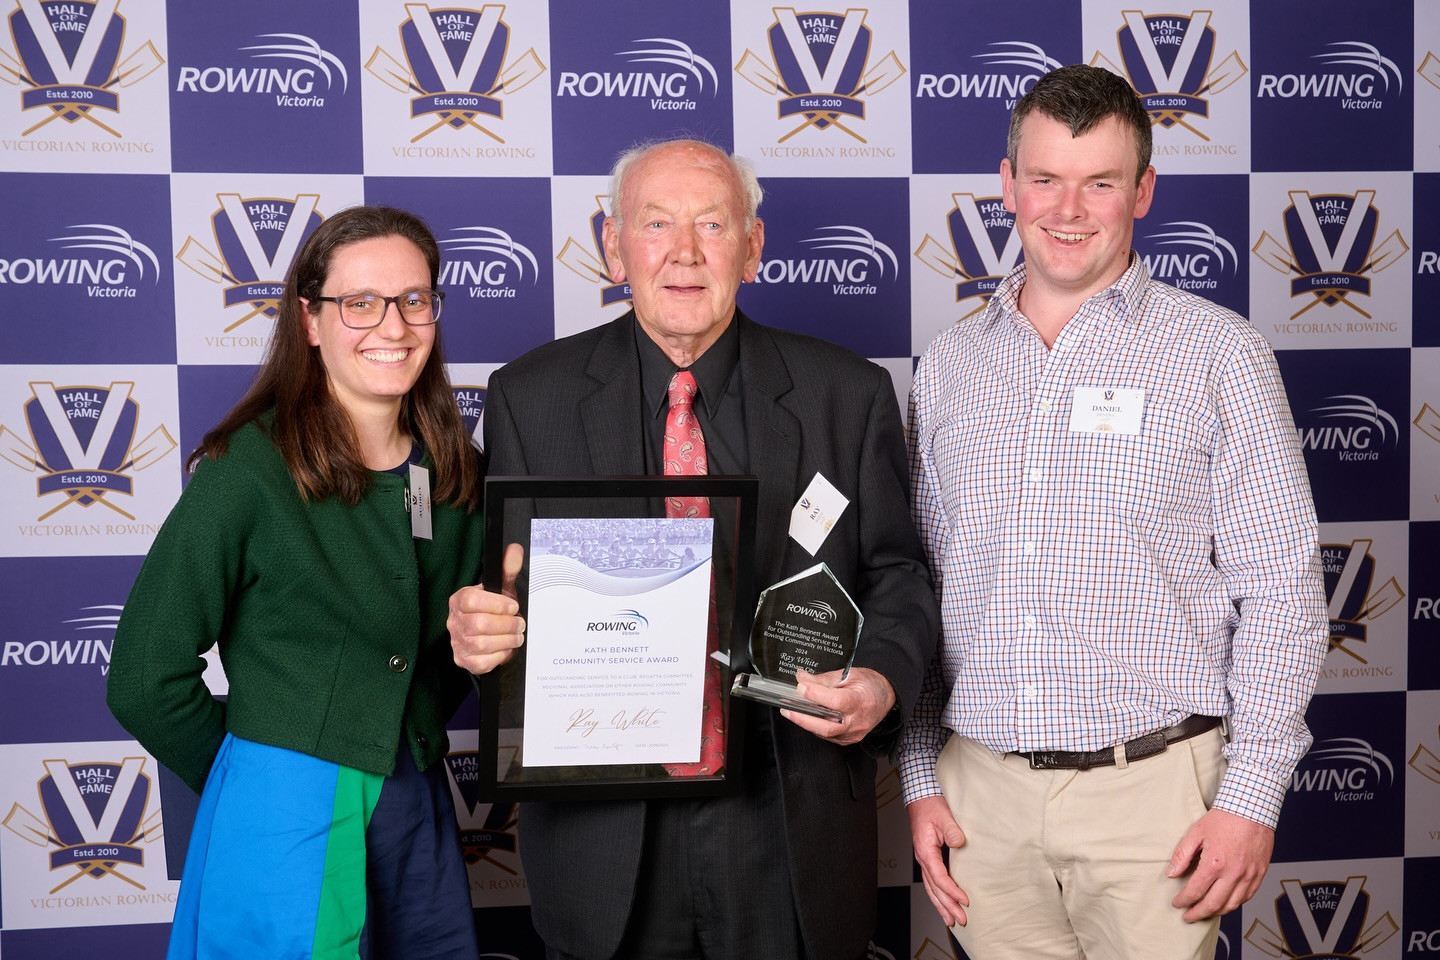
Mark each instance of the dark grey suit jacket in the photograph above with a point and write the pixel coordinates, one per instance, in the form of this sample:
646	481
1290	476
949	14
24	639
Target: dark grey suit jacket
573	407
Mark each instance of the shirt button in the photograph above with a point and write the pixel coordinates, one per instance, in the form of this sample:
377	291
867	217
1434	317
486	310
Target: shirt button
1029	548
1029	691
1043	406
1028	620
1035	475
399	664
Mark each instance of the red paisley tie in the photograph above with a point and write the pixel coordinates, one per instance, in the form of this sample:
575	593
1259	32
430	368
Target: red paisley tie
685	457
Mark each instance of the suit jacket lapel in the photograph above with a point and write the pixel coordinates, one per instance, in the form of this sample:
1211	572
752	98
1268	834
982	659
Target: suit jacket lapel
615	449
773	436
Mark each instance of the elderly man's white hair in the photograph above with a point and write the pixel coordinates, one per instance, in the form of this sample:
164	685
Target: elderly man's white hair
743	169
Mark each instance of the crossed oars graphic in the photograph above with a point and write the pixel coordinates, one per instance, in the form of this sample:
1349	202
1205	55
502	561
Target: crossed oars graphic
397	76
136	67
759	73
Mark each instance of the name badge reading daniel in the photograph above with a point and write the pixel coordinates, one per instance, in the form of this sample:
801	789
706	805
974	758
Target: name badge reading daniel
1106	410
815	513
417	501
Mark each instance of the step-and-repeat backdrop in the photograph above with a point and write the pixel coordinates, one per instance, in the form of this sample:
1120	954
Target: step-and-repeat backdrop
160	163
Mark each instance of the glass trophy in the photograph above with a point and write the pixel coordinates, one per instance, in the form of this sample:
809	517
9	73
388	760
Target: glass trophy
805	622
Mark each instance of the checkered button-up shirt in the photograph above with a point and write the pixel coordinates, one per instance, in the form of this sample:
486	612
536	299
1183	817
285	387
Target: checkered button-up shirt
1099	584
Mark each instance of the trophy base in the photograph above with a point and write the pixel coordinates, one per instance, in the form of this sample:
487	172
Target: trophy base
750	686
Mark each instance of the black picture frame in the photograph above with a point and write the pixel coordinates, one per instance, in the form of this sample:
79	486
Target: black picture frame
511	504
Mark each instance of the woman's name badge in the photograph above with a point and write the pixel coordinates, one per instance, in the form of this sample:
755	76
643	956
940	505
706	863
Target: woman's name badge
1106	410
417	501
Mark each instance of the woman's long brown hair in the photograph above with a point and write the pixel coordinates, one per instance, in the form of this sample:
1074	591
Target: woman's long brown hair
311	429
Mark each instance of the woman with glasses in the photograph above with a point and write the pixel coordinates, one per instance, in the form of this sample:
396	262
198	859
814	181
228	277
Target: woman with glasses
329	517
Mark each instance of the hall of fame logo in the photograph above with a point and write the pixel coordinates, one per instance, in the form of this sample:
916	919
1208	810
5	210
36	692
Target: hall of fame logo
1349	571
83	444
96	820
291	86
1331	248
1427	421
487	831
255	239
586	258
72	60
1167	58
983	247
818	67
454	70
470	399
1324	920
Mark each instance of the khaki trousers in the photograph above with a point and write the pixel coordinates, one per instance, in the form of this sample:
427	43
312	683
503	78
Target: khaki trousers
1070	864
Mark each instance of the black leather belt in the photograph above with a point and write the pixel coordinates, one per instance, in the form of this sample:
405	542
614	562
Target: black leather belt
1137	749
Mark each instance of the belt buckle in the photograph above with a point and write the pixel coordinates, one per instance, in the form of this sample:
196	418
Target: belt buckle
1041	759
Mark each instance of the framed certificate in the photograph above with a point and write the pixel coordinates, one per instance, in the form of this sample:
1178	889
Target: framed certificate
630	620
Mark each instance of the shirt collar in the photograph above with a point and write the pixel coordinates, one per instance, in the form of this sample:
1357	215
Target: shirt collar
712	370
1121	299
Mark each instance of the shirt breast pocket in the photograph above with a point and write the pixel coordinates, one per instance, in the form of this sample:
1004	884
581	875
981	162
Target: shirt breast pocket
1162	469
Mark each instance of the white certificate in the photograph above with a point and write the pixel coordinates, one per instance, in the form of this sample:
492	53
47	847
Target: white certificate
615	638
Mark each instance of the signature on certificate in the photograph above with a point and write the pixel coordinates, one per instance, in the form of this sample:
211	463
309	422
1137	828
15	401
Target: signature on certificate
584	722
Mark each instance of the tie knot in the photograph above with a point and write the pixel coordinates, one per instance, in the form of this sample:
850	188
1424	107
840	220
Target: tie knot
682	389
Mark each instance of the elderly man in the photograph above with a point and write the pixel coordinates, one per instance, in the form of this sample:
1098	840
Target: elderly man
785	868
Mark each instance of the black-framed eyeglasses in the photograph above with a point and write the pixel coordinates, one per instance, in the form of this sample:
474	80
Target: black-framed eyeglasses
361	311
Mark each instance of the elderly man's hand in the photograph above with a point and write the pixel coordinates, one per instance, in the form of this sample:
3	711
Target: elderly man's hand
486	628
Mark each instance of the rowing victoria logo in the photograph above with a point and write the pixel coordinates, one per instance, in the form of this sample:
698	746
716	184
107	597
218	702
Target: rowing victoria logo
1333	249
617	83
79	66
486	262
1175	64
1353	427
1348	769
823	71
81	647
292	68
108	262
1353	73
458	73
848	259
1008	70
1191	255
677	81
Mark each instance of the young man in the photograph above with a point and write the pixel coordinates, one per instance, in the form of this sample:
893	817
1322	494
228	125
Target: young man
1111	493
